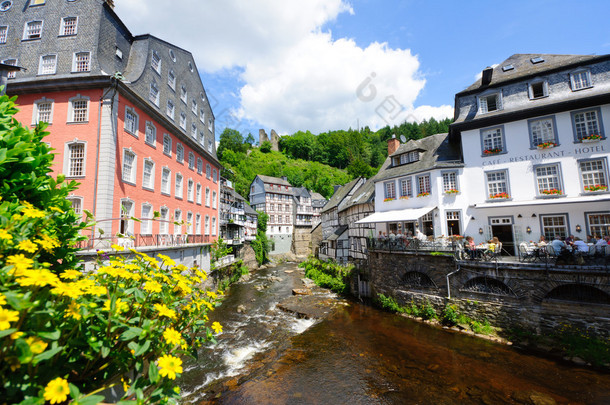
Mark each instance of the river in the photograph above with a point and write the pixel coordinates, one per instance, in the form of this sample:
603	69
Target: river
361	355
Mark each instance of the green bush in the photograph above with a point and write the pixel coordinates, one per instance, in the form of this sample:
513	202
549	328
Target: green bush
428	311
450	315
328	274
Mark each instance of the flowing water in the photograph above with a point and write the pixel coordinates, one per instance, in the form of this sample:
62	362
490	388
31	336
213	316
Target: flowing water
360	355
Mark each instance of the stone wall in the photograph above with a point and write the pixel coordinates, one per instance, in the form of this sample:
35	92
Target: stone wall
301	241
520	300
247	255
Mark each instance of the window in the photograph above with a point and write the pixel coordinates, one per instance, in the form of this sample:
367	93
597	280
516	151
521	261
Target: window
172	55
177	222
146	225
148	174
11	62
129	162
183	93
76	160
194	131
151	134
450	185
37	2
198	224
167	144
191	161
179	187
194	106
492	140
43	111
207	225
554	225
190	190
423	185
154	93
199	166
198	194
131	121
214	199
81	62
581	80
202	115
126	224
171	79
155	62
497	184
548	180
453	222
78	110
214	176
538	89
208	171
189	223
6	5
179	153
201	138
164	220
3	33
210	145
213	226
210	124
490	103
47	65
33	30
77	205
599	224
594	175
587	123
542	131
207	196
183	121
166	179
390	190
170	109
68	26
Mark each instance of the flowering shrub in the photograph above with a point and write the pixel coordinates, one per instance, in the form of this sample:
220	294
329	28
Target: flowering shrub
592	137
552	191
389	199
63	332
424	194
452	191
492	151
546	145
499	195
596	187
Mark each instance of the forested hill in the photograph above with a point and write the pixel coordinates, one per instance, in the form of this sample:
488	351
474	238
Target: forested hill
317	162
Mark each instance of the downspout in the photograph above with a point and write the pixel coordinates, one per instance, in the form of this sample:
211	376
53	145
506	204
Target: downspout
448	275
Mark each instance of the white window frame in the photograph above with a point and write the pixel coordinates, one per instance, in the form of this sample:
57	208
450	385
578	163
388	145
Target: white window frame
63	27
207	225
179	186
127	214
189	223
496	185
596	173
198	193
190	190
545	89
207	196
183	94
3	33
389	190
170	109
548	176
171	79
163	220
11	62
591	125
183	121
154	93
208	171
177	221
210	145
197	224
150	184
131	121
214	175
191	161
81	66
493	138
545	227
202	116
146	226
213	225
483	100
214	199
542	130
70	161
581	79
128	174
167	145
166	181
72	110
28	34
450	181
155	62
424	184
199	166
194	106
150	136
179	153
77	204
36	110
603	226
42	66
193	131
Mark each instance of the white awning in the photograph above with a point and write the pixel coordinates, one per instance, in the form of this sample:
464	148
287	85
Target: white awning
408	214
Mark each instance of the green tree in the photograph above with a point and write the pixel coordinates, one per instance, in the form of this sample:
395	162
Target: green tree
265	147
230	139
261	244
250	140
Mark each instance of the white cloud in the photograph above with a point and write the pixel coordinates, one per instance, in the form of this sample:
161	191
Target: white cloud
297	76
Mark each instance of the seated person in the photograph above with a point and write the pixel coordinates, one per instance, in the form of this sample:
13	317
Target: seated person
580	245
601	243
542	241
470	247
558	245
493	243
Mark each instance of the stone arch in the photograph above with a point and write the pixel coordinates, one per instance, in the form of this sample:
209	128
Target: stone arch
488	285
578	293
418	279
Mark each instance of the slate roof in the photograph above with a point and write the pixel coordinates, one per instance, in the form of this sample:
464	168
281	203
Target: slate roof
338	232
523	67
248	210
436	152
300	192
273	180
364	194
340	195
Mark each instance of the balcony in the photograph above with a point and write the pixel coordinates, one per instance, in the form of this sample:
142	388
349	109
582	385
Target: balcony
136	241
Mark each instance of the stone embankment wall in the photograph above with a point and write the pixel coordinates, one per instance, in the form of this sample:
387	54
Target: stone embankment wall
535	298
301	241
247	255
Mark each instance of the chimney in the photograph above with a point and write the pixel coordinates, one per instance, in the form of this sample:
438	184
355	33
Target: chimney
393	144
486	76
284	178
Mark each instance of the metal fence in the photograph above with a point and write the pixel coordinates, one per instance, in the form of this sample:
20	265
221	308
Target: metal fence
139	240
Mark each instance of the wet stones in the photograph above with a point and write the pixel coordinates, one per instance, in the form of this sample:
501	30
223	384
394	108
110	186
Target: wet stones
301	291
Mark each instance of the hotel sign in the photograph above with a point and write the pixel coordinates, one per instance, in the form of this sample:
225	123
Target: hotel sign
546	154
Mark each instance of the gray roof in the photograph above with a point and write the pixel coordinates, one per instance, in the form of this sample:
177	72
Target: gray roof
364	194
338	232
300	192
273	180
248	210
237	195
436	152
340	194
523	67
317	196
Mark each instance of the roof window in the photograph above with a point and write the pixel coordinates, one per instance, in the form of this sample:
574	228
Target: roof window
507	68
537	59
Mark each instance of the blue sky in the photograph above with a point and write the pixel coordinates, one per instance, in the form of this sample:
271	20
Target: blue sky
333	64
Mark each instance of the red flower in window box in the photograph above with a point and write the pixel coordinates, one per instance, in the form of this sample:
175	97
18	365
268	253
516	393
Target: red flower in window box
452	191
552	191
493	151
596	187
424	194
546	145
499	196
591	138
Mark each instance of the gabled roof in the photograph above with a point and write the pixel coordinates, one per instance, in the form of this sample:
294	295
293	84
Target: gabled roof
248	210
273	180
300	192
364	194
338	232
317	196
523	67
436	152
340	194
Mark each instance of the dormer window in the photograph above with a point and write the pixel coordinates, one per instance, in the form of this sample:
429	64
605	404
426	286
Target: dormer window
490	103
155	62
538	90
581	80
405	158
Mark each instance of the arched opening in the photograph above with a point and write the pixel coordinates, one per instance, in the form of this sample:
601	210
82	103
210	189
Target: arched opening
579	293
488	285
416	279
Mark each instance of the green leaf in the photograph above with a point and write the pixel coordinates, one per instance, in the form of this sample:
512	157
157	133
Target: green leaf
7	332
143	349
126	402
24	354
90	400
131	333
74	391
105	351
153	373
50	335
47	354
33	401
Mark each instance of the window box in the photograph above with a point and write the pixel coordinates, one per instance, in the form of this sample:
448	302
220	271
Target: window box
499	196
596	187
552	191
591	138
546	145
424	194
389	199
452	191
404	197
493	151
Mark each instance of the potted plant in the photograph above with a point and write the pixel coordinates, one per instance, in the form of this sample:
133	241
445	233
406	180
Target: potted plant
499	196
546	145
404	197
389	199
591	138
452	191
424	194
552	191
596	187
492	151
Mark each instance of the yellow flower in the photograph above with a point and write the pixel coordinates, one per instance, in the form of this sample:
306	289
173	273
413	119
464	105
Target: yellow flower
96	290
5	235
165	311
39	278
117	247
152	286
73	311
119	306
20	262
16	335
71	274
6	317
2	299
56	209
167	260
217	327
28	246
37	346
30	212
172	336
169	366
56	391
212	294
47	243
71	290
